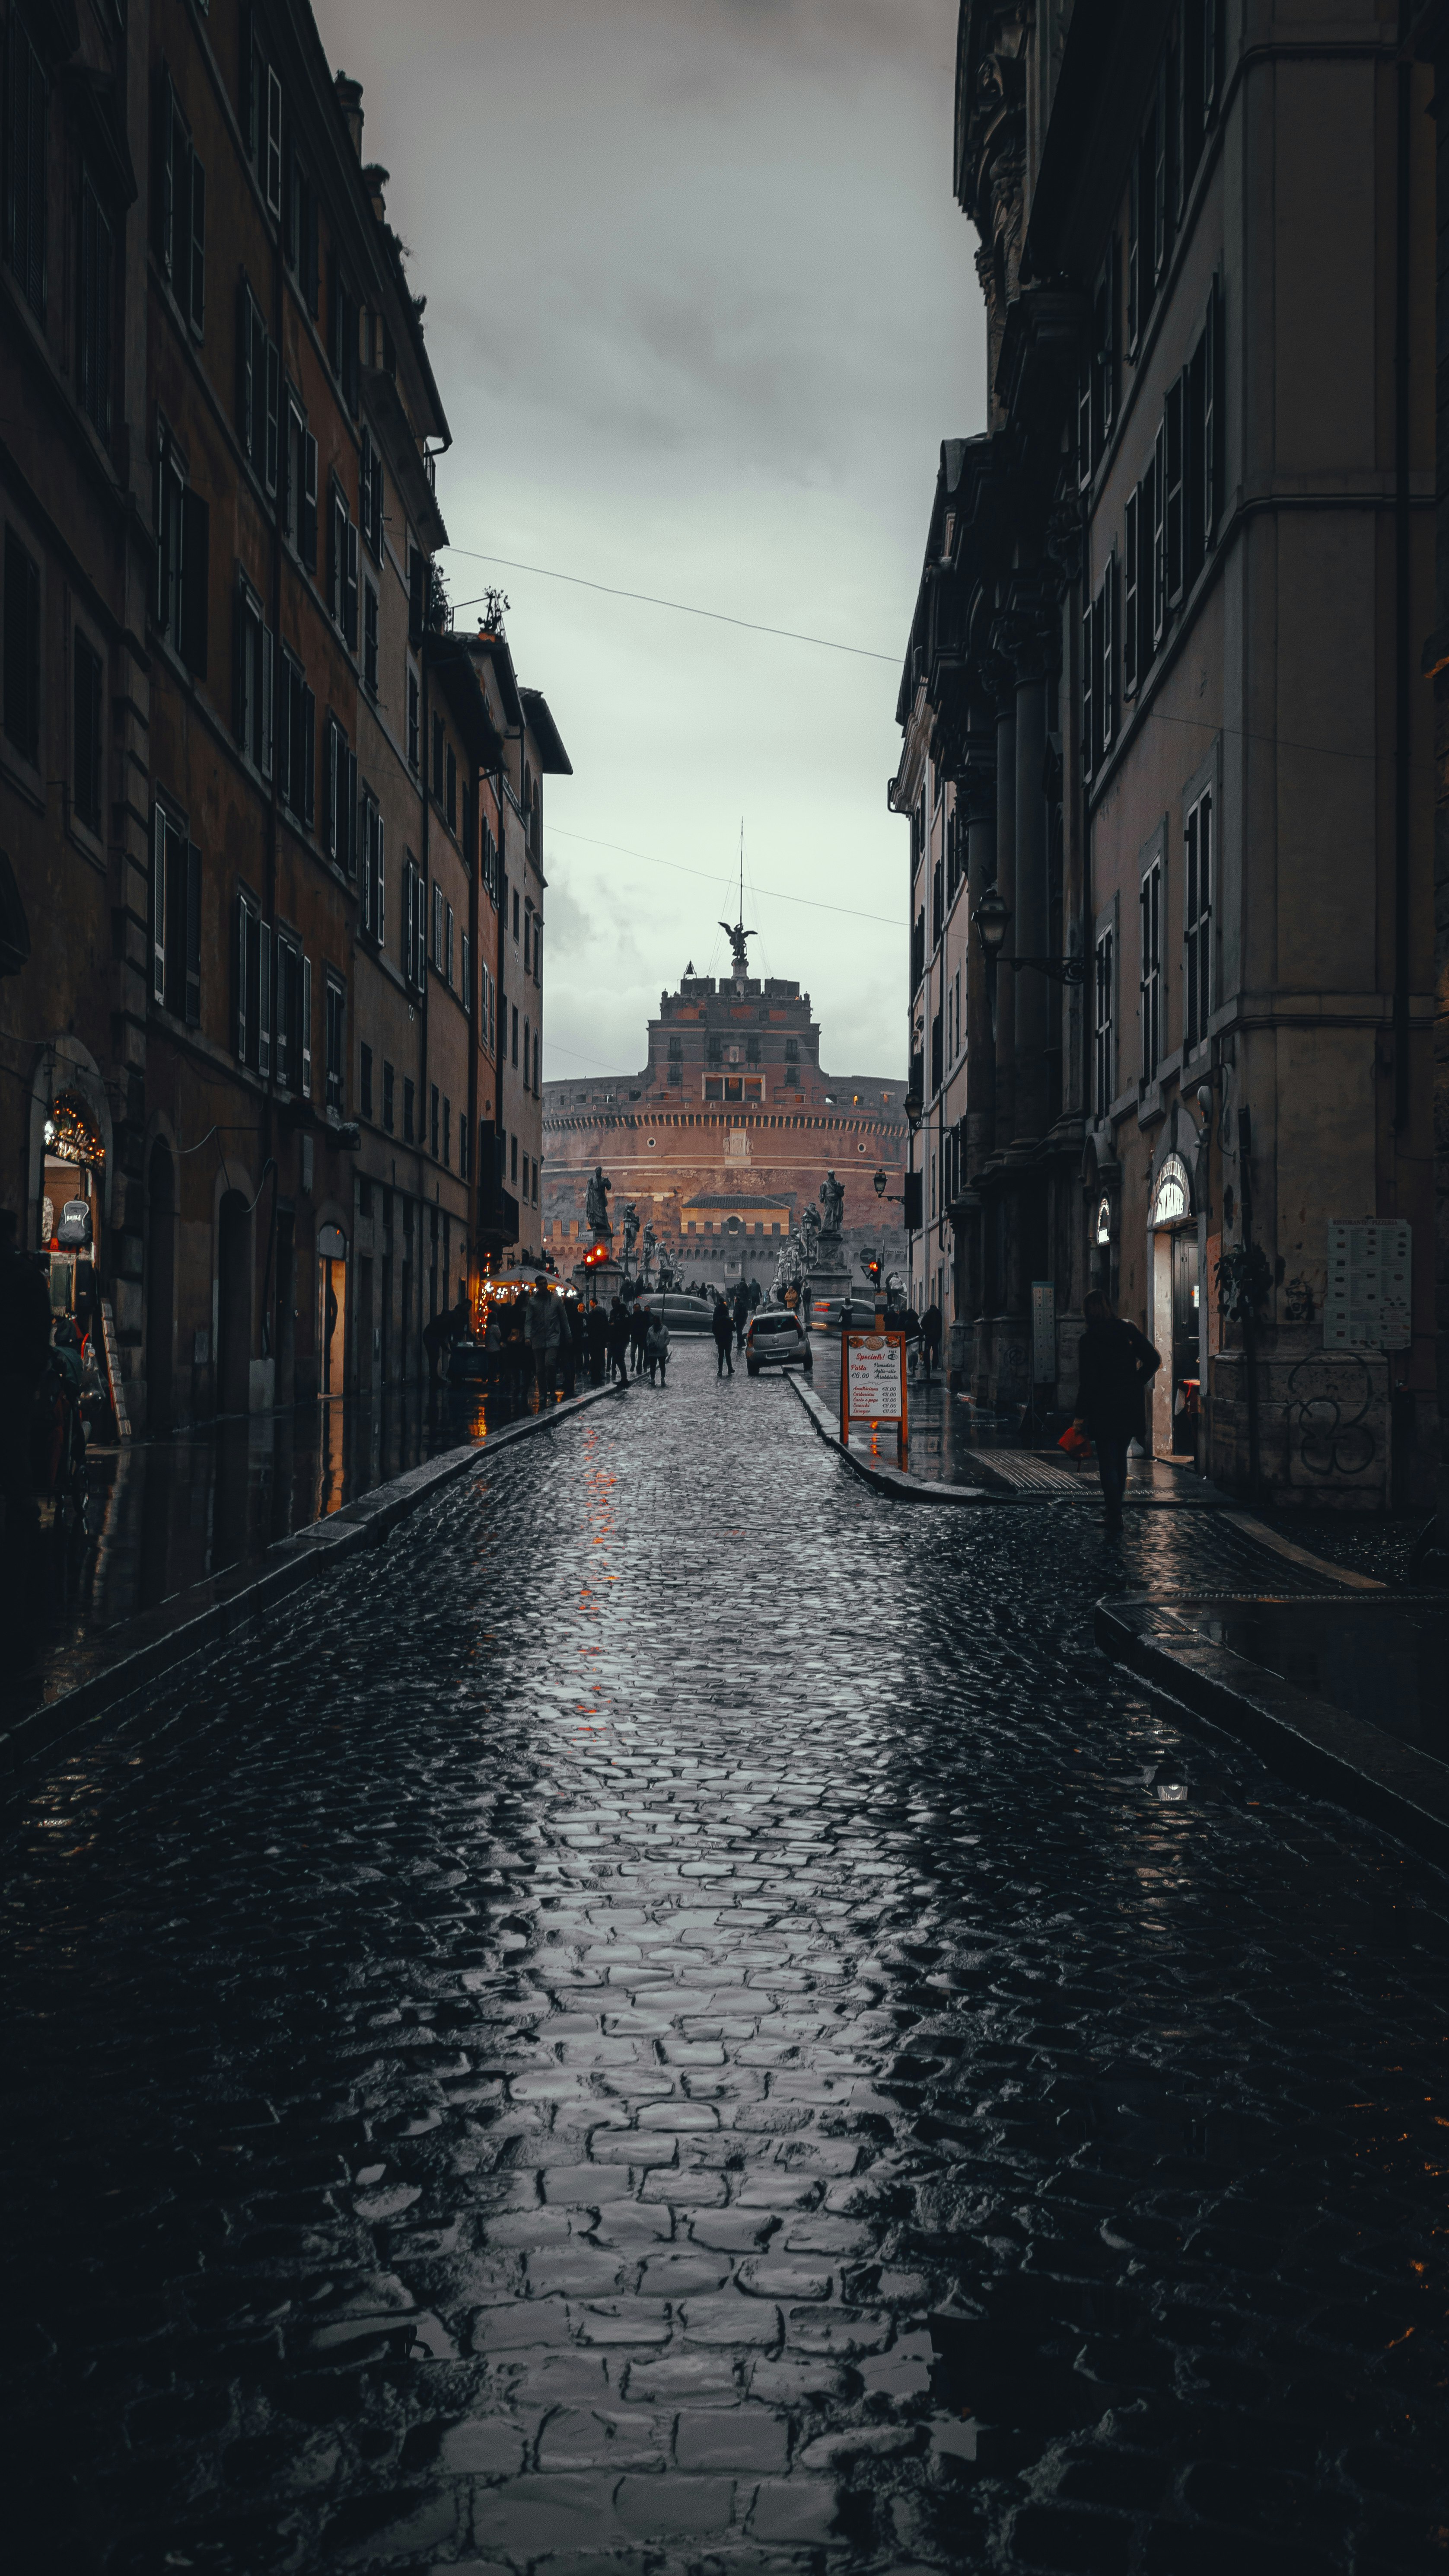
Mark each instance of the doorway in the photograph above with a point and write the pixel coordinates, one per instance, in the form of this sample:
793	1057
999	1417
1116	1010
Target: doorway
233	1304
332	1307
160	1286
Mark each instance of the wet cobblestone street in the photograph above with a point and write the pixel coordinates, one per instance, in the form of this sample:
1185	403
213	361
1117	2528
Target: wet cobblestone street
682	2018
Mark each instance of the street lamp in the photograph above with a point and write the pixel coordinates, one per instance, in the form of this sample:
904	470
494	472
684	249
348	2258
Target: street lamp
991	916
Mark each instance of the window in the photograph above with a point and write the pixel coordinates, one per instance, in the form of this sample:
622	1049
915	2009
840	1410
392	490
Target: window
437	759
339	797
415	926
93	310
301	231
1159	533
251	981
374	868
299	512
487	1017
183	548
448	948
1197	916
1161	135
752	1050
1172	510
434	1124
259	389
1104	1035
465	1149
290	982
88	734
342	331
515	916
1151	970
792	1050
179	208
450	799
437	926
467	974
528	939
447	1131
175	919
296	740
334	1033
513	1160
370	495
364	1086
409	1102
369	638
414	724
388	1092
22	649
271	169
515	1034
490	866
27	156
342	567
525	1055
255	661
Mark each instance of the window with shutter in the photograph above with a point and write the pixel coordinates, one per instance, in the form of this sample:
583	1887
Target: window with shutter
191	997
264	999
467	974
158	904
369	638
1159	534
271	461
1107	655
450	798
307	808
1197	921
196	582
1129	591
1104	1044
196	250
306	1028
1151	968
307	521
241	979
414	724
351	813
448	948
349	598
1134	252
381	880
1173	501
272	180
1089	674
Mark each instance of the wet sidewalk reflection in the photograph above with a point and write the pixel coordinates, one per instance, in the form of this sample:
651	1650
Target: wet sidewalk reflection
165	1514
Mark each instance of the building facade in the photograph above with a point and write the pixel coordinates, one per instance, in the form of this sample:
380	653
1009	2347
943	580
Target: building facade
260	804
1164	741
726	1136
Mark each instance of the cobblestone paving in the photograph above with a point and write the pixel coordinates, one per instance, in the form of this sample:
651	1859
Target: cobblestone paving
683	2020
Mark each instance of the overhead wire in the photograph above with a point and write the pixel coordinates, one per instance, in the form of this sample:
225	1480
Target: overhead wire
682	607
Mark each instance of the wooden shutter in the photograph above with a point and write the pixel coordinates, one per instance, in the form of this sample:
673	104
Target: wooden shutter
267	710
240	961
246	418
1129	591
381	880
195	581
306	1028
192	995
196	248
284	725
273	177
1212	424
350	764
307	516
272	459
158	904
264	997
349	602
329	787
309	754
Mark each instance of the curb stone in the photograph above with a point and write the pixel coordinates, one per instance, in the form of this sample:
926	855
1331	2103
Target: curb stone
1305	1739
95	1676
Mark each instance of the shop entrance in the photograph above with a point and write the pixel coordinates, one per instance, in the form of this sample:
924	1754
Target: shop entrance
331	1306
233	1304
1176	1313
71	1216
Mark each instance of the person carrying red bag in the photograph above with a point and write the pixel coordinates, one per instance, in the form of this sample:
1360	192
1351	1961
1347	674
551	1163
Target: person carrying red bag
1115	1366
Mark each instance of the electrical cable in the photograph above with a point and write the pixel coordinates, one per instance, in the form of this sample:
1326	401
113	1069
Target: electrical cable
683	607
707	876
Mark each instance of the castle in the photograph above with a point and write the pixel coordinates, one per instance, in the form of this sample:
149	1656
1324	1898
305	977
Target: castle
727	1134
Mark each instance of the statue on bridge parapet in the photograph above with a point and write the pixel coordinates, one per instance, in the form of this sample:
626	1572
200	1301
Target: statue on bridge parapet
596	1206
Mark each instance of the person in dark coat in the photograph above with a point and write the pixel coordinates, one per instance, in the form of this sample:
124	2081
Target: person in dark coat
931	1337
596	1327
568	1345
724	1333
619	1341
742	1314
1115	1366
638	1333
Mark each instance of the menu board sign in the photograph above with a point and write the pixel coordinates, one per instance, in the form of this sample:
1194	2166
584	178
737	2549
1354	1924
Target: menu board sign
1368	1303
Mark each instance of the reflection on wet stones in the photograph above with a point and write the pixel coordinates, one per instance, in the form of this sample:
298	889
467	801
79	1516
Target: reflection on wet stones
660	2071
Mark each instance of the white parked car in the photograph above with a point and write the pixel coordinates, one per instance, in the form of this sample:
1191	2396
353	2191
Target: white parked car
774	1339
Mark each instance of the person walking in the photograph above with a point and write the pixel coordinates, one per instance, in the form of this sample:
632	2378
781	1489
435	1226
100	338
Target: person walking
656	1347
742	1314
596	1327
724	1333
568	1346
1115	1366
543	1335
931	1338
638	1333
619	1341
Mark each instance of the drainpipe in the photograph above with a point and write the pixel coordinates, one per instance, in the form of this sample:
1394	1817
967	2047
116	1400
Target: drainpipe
1402	602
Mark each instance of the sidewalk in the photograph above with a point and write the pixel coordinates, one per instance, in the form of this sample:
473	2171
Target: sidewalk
166	1516
950	1443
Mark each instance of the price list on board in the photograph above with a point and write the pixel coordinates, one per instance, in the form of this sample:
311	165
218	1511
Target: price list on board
1368	1303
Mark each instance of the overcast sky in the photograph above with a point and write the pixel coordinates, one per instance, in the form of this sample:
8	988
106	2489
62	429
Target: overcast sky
701	308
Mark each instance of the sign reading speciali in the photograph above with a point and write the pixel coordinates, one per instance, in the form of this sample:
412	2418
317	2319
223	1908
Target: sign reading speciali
873	1382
